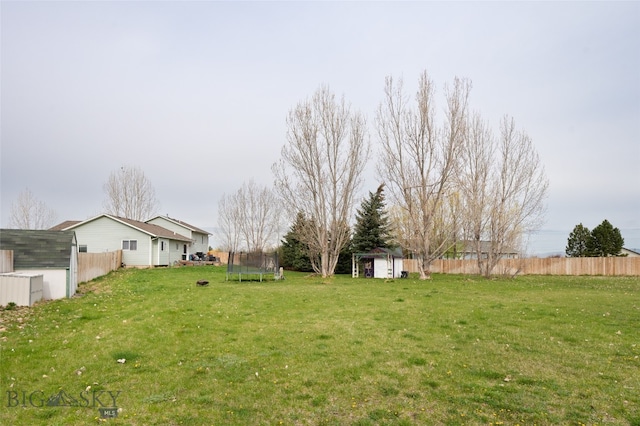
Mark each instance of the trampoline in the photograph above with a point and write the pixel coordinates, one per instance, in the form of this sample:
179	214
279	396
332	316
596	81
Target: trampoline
253	266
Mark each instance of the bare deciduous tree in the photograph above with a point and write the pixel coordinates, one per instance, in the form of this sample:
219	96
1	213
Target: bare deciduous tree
27	212
250	218
320	172
518	194
229	222
130	194
474	180
503	187
419	161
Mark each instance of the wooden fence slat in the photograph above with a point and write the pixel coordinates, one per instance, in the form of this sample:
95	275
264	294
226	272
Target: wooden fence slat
6	261
606	266
93	265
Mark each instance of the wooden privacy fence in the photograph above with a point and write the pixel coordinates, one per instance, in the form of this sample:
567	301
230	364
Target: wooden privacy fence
93	265
607	266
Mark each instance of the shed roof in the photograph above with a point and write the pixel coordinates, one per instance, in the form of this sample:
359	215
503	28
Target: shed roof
381	252
38	248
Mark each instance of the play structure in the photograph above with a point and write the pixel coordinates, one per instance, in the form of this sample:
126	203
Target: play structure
253	266
379	263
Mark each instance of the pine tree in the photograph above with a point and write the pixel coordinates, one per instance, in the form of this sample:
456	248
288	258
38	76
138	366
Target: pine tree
372	227
293	253
579	242
605	240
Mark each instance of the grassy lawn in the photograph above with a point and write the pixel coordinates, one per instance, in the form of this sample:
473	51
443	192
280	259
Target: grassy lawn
452	350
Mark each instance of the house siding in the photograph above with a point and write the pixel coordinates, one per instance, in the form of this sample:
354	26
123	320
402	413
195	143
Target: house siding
105	234
164	257
175	253
199	241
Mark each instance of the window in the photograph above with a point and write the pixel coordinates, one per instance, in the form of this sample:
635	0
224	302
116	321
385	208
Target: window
129	244
162	244
82	248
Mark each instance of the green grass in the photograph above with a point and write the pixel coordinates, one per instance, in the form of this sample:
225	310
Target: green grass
452	350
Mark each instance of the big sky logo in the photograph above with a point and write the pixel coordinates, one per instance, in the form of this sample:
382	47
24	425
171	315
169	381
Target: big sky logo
91	399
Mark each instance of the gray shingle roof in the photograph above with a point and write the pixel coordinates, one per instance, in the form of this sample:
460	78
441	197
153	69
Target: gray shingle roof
64	225
38	248
155	230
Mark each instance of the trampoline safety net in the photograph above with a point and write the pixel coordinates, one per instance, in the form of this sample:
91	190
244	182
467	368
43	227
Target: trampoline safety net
252	266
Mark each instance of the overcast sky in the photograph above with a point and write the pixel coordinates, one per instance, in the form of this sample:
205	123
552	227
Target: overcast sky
196	93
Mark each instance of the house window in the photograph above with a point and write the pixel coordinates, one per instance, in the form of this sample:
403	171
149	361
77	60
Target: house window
82	248
129	244
162	243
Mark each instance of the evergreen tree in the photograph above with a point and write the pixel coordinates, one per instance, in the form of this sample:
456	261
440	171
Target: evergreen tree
578	242
605	240
293	253
345	265
372	227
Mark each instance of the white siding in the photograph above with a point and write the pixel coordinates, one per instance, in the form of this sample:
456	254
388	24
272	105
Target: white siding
175	251
20	288
55	283
199	241
163	257
104	234
398	267
381	267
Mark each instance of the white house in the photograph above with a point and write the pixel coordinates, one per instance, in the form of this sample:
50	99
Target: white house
378	263
629	252
142	244
52	254
199	238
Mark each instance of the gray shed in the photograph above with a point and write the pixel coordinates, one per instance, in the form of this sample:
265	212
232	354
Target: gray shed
54	254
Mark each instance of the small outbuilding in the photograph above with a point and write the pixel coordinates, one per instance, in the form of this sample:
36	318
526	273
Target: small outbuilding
52	254
378	263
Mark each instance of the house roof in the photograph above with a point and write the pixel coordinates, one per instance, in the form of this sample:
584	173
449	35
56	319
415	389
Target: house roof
630	252
152	230
38	248
64	225
181	223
